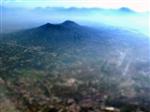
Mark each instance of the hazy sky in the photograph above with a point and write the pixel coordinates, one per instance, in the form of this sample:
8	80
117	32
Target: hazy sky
138	5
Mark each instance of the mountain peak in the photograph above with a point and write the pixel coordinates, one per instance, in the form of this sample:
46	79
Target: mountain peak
68	23
125	9
47	25
65	23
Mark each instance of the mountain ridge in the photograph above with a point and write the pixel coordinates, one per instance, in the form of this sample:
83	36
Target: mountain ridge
67	23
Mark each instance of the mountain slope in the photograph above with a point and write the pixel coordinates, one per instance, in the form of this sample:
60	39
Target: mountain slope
70	31
71	34
67	60
50	33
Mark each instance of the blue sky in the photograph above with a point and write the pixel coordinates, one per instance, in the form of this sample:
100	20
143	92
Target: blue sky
137	5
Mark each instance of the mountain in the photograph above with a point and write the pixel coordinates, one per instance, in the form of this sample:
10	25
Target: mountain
48	34
69	36
69	31
65	24
49	64
81	10
59	35
125	9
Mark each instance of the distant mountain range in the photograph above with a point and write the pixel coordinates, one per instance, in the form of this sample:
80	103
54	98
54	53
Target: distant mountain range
84	10
72	9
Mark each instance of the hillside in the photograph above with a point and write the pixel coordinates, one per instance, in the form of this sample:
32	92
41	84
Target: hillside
64	66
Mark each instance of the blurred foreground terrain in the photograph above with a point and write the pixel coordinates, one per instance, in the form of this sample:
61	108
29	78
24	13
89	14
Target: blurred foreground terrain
72	68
